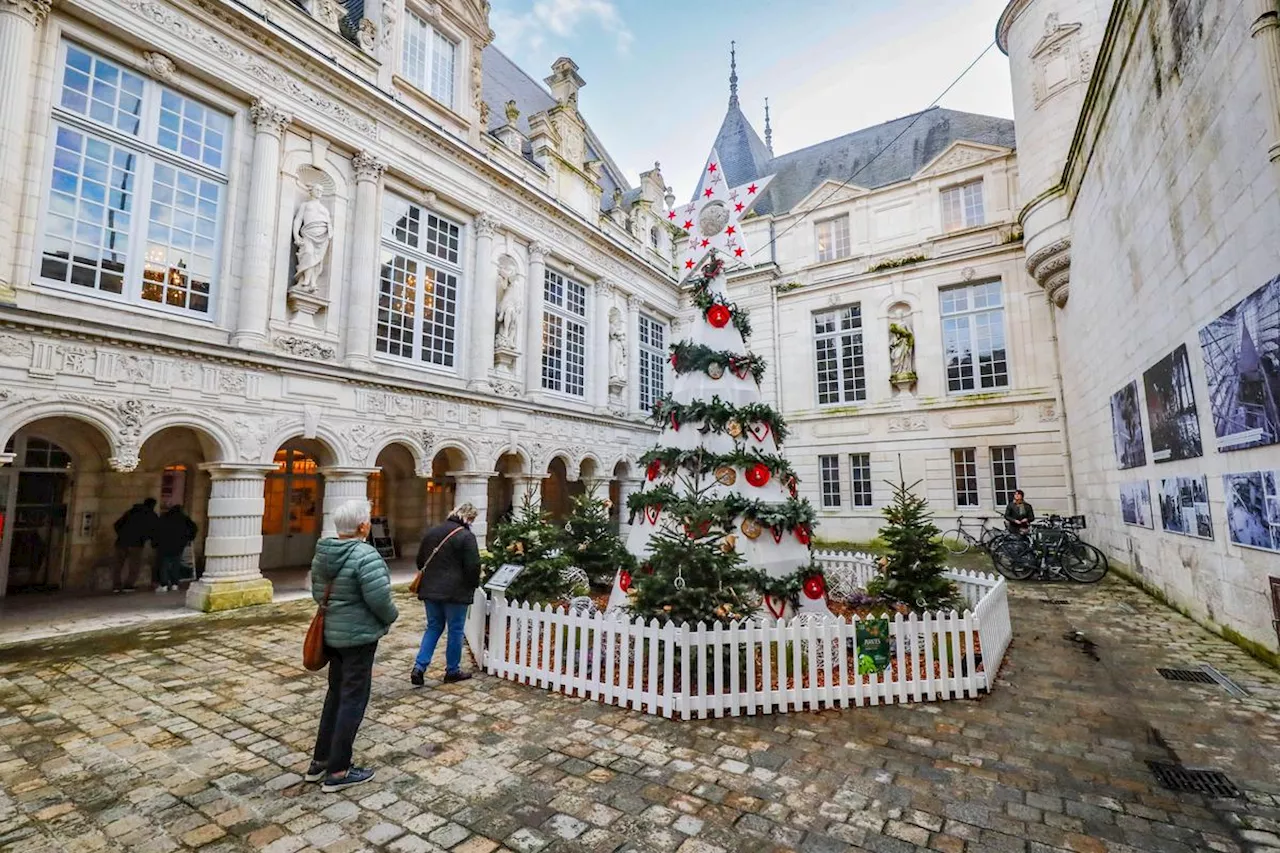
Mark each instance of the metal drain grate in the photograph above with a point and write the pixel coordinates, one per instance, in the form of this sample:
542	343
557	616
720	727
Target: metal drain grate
1055	601
1195	676
1211	783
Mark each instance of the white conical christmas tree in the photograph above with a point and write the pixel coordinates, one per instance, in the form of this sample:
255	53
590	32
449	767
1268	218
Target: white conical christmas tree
718	439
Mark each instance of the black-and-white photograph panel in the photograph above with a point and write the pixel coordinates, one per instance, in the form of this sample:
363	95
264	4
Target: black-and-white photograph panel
1135	503
1184	506
1126	427
1242	363
1253	509
1171	408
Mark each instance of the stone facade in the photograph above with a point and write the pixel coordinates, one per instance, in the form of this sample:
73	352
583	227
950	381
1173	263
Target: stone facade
307	308
1171	181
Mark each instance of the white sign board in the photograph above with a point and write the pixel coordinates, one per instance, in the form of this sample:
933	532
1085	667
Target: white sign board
504	577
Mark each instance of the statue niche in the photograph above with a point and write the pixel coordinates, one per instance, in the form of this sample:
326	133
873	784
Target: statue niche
507	321
617	350
312	233
902	348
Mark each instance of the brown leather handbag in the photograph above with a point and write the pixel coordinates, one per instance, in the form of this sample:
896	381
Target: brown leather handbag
417	579
313	654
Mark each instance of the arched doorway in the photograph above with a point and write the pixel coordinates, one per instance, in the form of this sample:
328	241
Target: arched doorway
556	491
442	490
396	494
618	511
504	498
294	499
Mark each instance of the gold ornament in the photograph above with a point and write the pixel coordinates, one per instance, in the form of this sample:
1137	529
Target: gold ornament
733	428
728	543
752	528
715	370
726	476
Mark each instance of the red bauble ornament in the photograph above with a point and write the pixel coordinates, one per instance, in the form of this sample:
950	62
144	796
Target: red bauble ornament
758	474
675	425
655	468
624	581
815	587
702	530
718	316
647	568
802	533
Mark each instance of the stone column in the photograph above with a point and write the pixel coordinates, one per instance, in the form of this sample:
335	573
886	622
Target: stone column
254	309
533	318
19	20
1266	35
233	543
522	484
473	487
599	358
362	288
627	486
632	392
340	486
484	307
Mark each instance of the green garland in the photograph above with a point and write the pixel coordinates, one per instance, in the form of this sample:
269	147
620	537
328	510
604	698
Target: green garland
703	298
699	461
786	515
789	586
689	357
717	414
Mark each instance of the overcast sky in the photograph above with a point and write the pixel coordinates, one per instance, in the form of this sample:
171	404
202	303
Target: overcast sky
657	70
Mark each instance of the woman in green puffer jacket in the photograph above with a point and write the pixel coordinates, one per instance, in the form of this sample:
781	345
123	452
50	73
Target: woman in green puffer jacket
360	613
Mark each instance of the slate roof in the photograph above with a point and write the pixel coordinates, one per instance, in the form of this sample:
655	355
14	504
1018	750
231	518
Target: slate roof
798	173
505	81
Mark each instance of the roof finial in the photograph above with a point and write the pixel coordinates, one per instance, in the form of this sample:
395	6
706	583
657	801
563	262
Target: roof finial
768	131
733	74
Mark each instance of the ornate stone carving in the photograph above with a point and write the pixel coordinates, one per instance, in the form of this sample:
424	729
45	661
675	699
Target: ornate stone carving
538	252
304	348
1051	268
902	351
388	22
312	232
367	167
477	82
1057	60
132	414
485	225
367	35
250	434
360	439
1047	412
328	12
908	423
957	158
160	66
511	111
14	346
505	388
135	368
34	11
617	349
507	326
268	118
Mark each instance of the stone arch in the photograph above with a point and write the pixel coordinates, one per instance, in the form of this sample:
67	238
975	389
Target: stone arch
570	467
458	446
107	427
216	443
590	466
623	465
898	305
328	441
520	454
413	446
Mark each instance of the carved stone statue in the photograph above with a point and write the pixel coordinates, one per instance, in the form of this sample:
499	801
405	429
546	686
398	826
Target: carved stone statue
902	351
617	348
508	319
312	231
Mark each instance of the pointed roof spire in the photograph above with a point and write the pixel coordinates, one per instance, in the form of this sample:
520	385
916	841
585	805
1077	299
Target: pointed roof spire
768	131
733	74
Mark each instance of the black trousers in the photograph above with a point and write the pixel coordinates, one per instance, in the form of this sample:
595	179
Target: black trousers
350	677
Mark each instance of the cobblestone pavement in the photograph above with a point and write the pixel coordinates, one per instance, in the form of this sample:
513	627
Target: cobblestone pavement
193	735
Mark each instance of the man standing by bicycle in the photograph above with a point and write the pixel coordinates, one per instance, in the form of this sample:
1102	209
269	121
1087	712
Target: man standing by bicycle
1018	515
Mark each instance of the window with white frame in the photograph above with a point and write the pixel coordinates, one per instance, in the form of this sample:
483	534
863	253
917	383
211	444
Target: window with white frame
418	284
860	478
564	335
138	180
1004	474
653	361
964	466
839	356
962	206
833	238
973	341
829	476
429	59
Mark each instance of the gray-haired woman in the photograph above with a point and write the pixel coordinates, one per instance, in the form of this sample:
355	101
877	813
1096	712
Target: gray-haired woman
449	560
360	613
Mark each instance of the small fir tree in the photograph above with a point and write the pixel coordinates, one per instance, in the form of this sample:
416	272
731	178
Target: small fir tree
530	540
693	572
915	557
591	544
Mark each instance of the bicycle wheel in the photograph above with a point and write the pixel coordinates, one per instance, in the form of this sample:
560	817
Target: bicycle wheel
1084	563
1014	557
955	541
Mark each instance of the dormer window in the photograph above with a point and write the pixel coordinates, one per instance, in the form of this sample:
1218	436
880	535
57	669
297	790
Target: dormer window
429	59
653	236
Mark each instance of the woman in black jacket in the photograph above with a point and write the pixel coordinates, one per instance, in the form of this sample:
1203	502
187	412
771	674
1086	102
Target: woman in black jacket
449	560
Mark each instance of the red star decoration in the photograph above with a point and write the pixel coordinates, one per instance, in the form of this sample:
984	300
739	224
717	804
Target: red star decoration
711	168
737	208
709	192
688	264
751	190
737	253
671	215
729	230
688	223
705	243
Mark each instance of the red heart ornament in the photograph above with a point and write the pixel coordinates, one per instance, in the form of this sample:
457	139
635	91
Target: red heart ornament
651	513
760	431
675	425
655	468
777	607
777	534
741	367
802	533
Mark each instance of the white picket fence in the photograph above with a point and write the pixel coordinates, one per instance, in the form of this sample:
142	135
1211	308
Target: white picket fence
755	667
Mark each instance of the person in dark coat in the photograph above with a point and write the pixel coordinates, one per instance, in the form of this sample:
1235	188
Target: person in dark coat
134	530
1018	515
449	560
174	532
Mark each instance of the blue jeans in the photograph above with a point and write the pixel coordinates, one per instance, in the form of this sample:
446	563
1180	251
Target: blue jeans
442	615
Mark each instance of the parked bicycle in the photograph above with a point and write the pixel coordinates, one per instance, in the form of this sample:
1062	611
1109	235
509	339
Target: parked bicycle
1051	550
959	540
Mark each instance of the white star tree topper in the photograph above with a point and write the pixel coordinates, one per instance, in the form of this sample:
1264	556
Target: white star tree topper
712	219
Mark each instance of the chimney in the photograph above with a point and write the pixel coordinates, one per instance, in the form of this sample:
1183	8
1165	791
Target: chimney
564	81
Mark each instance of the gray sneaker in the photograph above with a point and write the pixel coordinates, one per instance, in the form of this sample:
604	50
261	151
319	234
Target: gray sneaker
354	776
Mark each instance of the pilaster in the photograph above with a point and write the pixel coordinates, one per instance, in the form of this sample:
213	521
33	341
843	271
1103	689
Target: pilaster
269	123
362	287
600	364
484	313
631	394
1266	35
533	318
